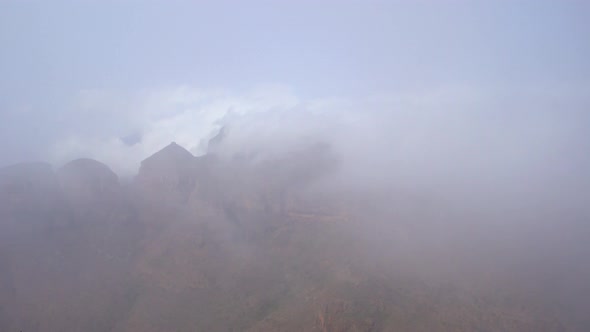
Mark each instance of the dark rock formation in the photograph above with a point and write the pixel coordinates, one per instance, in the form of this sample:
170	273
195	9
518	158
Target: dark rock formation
168	175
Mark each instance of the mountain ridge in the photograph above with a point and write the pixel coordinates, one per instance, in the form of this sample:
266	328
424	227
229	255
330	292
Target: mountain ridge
214	243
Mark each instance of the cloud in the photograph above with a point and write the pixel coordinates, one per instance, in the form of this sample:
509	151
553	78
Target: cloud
102	120
451	135
481	181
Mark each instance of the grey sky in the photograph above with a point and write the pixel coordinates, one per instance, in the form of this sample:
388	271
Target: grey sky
75	75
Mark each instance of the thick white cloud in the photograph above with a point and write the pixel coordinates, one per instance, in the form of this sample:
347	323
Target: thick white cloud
449	135
186	115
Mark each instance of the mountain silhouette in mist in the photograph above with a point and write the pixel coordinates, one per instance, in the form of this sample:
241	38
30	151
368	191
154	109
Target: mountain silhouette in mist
217	243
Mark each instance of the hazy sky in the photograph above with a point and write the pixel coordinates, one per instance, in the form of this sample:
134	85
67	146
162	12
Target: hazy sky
77	77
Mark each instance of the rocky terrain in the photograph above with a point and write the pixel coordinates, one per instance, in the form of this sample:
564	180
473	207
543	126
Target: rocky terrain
238	244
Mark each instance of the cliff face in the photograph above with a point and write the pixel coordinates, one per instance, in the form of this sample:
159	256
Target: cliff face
91	190
215	244
66	239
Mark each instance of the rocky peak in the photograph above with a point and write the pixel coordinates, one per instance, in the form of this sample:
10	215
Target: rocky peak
88	175
169	174
173	155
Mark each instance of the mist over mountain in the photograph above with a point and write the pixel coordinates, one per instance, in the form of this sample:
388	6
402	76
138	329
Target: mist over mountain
334	165
266	241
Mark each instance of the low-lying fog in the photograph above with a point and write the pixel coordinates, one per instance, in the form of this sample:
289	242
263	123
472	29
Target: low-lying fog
445	143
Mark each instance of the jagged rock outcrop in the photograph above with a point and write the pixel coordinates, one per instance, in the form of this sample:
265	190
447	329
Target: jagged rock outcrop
168	175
